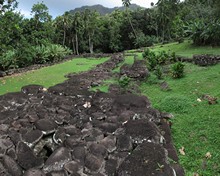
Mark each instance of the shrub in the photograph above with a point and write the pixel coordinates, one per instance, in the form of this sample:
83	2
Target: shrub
24	56
204	32
152	60
40	54
124	81
177	70
158	72
49	53
162	57
173	57
57	52
8	60
150	40
146	53
142	40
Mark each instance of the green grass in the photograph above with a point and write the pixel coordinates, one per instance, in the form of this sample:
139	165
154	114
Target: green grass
196	125
186	49
47	76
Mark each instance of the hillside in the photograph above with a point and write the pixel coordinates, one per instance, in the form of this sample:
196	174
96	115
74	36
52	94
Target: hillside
104	10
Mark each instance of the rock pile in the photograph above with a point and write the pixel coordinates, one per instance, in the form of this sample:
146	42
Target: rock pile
201	60
68	130
138	70
206	60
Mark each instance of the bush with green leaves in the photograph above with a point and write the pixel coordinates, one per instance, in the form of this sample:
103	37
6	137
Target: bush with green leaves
24	56
158	71
8	60
49	53
124	81
146	53
57	52
177	70
159	58
40	54
162	57
204	32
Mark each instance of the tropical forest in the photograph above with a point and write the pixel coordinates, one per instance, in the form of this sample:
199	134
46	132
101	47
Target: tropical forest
100	91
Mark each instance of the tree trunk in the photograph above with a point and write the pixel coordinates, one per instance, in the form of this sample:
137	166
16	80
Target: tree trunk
64	37
129	19
90	45
132	27
77	44
73	43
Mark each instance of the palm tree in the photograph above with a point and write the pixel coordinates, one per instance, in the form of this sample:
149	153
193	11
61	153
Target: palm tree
90	25
66	20
126	4
76	25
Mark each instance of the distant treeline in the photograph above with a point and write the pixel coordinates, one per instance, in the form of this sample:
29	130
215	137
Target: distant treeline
28	41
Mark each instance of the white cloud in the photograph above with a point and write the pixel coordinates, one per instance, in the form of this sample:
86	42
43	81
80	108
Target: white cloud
26	13
144	3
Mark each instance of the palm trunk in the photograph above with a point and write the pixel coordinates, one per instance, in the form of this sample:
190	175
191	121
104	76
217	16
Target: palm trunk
77	44
90	45
132	27
73	43
129	19
64	37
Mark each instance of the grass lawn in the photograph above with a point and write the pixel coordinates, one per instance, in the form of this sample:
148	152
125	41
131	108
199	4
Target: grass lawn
186	49
196	125
47	76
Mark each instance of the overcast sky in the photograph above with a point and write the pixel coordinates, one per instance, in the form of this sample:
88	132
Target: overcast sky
58	7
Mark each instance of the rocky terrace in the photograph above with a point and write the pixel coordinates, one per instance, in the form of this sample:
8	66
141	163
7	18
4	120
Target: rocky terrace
67	130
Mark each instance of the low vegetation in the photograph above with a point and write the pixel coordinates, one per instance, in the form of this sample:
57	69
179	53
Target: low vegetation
47	76
187	49
196	123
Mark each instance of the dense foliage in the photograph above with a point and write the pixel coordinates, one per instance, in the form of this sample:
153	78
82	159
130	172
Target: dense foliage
25	41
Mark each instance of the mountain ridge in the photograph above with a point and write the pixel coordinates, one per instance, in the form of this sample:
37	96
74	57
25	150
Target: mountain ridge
102	9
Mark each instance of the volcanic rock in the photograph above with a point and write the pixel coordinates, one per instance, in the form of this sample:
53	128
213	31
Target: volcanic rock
5	144
146	159
26	157
109	142
11	166
2	74
57	160
34	172
93	164
47	126
32	137
72	167
32	89
69	130
124	143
